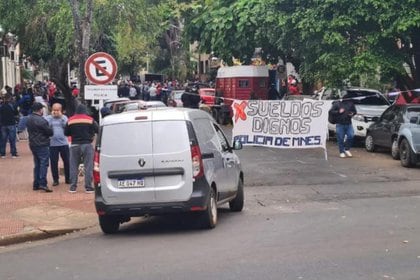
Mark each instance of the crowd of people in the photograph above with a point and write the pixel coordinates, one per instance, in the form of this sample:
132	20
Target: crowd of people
39	110
148	90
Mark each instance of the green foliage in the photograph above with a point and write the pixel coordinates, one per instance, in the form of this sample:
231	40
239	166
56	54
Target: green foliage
327	40
128	29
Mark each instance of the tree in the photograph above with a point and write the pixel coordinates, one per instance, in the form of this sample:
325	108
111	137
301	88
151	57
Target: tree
44	34
233	28
326	40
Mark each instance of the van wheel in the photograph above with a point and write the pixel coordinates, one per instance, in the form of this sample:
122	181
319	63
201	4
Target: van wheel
369	145
407	156
237	204
209	216
394	149
109	224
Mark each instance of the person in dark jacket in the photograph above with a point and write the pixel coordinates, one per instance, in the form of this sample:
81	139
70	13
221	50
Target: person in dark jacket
82	129
8	115
191	98
344	111
39	142
273	94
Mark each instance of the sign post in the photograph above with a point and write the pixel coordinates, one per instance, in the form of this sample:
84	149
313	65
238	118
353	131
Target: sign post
100	69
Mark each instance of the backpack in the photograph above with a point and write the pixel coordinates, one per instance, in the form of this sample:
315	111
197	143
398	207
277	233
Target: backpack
332	117
27	103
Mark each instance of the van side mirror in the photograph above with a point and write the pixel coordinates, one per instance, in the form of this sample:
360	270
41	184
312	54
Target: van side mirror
414	120
375	119
237	145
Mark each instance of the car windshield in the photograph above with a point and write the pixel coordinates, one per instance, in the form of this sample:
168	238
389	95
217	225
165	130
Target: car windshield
362	97
208	92
413	112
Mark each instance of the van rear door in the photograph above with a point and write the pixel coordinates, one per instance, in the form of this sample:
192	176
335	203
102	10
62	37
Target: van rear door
126	163
172	160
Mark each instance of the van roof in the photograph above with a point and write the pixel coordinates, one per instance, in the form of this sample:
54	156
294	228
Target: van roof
155	114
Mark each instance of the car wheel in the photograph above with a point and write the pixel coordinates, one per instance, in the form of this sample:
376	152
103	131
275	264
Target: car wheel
369	145
109	224
395	153
209	216
237	204
407	156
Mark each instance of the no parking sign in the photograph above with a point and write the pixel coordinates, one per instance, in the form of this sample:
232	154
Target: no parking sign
100	68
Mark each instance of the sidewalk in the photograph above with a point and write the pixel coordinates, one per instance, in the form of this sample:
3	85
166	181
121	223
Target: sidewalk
30	215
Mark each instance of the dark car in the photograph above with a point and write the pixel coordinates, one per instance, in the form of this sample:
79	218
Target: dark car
384	130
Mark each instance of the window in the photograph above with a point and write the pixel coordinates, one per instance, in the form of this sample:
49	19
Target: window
243	84
222	139
413	112
261	83
389	114
330	94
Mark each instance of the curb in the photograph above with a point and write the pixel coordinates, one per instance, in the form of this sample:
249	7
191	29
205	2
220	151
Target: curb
36	234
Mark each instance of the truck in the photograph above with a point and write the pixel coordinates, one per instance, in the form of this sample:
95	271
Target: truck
241	82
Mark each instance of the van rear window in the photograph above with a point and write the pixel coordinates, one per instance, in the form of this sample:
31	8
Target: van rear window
127	139
170	137
144	138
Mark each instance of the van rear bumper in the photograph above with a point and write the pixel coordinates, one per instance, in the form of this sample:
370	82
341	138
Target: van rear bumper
198	200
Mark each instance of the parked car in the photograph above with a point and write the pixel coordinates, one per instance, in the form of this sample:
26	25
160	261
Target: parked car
174	98
369	103
383	132
142	105
118	105
207	95
409	137
110	103
141	168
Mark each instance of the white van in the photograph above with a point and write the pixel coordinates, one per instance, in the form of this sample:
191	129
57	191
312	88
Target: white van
164	160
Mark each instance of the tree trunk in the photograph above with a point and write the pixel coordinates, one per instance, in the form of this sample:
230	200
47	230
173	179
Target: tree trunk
416	54
59	75
83	31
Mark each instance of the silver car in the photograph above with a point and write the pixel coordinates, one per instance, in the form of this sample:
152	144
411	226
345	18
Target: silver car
409	137
164	160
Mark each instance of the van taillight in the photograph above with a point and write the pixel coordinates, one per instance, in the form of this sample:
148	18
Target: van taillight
197	162
96	173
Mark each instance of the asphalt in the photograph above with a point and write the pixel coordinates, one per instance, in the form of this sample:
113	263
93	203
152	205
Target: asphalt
27	215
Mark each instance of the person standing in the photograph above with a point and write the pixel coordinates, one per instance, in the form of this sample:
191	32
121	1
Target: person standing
153	92
8	115
273	94
59	146
343	112
39	143
82	128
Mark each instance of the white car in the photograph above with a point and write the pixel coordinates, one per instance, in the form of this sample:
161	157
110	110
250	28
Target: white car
369	103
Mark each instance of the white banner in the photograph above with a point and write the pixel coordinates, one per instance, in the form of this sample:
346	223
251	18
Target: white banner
281	124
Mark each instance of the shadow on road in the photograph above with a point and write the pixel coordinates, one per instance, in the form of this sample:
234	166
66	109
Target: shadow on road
170	224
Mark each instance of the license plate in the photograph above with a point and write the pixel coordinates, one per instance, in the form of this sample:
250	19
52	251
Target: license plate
131	183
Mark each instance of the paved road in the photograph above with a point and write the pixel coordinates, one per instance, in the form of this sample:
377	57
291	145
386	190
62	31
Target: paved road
305	218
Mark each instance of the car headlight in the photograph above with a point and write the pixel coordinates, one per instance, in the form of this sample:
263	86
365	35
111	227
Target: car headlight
359	117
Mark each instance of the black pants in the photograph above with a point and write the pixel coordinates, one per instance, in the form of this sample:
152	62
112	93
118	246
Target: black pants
63	152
